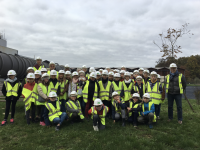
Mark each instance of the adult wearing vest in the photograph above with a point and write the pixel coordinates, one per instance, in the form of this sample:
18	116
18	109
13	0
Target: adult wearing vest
43	91
105	93
134	109
118	108
147	114
74	108
38	65
54	83
63	88
90	92
98	112
30	96
98	76
154	88
12	90
53	111
146	77
52	66
117	84
175	85
139	87
163	93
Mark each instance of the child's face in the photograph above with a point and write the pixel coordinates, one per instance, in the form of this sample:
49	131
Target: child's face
122	75
30	80
81	75
52	98
98	77
117	79
146	100
136	75
105	77
135	99
73	98
131	76
68	77
39	62
43	72
141	72
127	78
52	67
123	69
145	75
66	69
153	77
37	76
30	71
108	70
98	107
92	78
12	77
139	81
53	76
46	80
117	97
110	77
75	77
84	69
61	75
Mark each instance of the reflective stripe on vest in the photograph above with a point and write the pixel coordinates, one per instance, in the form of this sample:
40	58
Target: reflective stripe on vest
53	112
85	92
42	66
105	110
73	106
54	88
131	106
116	108
180	83
11	91
150	104
155	94
127	91
62	88
104	93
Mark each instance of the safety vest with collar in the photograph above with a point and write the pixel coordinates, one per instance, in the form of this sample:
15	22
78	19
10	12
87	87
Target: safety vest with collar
11	91
50	72
127	91
180	83
104	93
150	104
144	80
85	91
102	117
117	88
154	93
53	112
45	90
62	88
30	96
87	76
118	110
131	106
135	87
72	105
42	66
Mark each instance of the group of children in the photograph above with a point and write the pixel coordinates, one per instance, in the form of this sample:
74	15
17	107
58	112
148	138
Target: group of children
53	97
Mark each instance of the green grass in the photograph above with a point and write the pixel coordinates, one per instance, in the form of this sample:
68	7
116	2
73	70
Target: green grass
193	84
80	136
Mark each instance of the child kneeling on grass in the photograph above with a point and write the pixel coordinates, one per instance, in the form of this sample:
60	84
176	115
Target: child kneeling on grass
53	111
148	111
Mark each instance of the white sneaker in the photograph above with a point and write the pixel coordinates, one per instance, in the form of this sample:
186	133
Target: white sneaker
96	128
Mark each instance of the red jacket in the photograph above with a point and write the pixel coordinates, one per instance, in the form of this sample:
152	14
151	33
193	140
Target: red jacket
98	112
29	86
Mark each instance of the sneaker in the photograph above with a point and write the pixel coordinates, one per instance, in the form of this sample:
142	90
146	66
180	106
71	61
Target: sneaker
12	120
3	123
135	125
150	126
96	128
180	122
42	123
57	128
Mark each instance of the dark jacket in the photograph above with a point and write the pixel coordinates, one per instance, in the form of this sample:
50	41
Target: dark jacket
54	81
127	85
46	112
91	88
174	85
19	92
118	105
135	109
140	89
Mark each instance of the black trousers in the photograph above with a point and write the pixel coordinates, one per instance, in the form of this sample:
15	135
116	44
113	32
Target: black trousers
8	103
108	104
32	110
97	121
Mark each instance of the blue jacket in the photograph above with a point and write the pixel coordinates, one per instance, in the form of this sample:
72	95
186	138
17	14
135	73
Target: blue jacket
46	112
146	109
119	105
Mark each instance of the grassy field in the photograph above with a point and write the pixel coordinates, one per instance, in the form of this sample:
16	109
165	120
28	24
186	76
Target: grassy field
193	84
80	136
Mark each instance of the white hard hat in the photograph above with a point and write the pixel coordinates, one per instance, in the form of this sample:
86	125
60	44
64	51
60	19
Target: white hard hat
141	69
93	74
105	72
136	71
30	75
136	95
131	73
127	74
98	73
115	93
117	70
158	76
61	71
146	71
111	73
30	68
73	93
100	69
122	71
84	66
11	73
97	102
53	73
146	95
45	75
38	58
107	67
68	72
52	94
117	75
92	69
123	67
74	73
153	73
52	63
139	77
37	72
43	69
172	65
81	71
66	66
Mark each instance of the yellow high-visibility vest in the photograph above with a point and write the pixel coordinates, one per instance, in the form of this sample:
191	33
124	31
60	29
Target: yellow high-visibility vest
85	92
11	91
102	117
73	106
104	93
53	112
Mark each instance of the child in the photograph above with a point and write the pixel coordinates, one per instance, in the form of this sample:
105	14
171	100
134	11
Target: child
111	76
52	66
141	72
12	90
54	83
101	70
98	112
148	111
38	80
135	74
74	108
146	76
122	72
43	70
98	76
162	96
123	68
154	88
38	65
108	69
134	108
139	87
116	84
30	96
67	68
53	112
118	108
73	85
84	68
92	69
43	89
29	70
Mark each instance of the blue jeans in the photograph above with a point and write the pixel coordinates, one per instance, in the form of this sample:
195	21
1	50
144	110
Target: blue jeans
63	102
60	119
178	99
157	109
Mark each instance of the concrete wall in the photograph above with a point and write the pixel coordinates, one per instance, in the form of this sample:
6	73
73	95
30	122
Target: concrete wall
8	50
3	42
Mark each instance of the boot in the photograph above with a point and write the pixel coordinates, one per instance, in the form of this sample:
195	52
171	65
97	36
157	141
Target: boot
123	123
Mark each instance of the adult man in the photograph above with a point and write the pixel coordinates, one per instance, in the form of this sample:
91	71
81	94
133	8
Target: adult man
38	65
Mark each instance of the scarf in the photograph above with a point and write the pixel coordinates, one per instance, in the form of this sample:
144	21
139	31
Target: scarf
10	80
172	75
154	81
104	81
128	81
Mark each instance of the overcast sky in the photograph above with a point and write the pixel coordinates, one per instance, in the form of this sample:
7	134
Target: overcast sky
97	32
